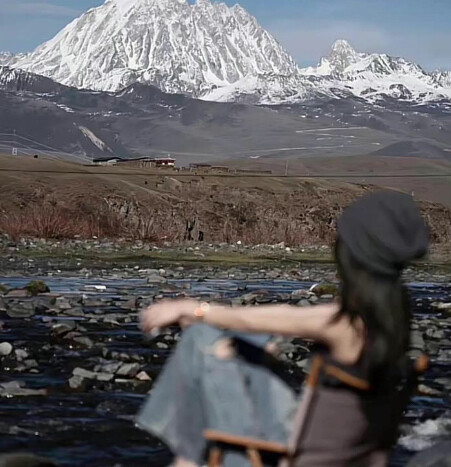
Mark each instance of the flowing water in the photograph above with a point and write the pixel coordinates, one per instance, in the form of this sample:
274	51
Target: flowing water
95	427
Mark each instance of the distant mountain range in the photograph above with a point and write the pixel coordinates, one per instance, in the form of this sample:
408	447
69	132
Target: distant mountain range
43	116
214	52
151	77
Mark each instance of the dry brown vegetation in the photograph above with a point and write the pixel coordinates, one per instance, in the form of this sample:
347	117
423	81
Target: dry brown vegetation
153	208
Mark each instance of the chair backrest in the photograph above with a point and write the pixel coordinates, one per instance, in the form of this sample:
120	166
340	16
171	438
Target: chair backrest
321	367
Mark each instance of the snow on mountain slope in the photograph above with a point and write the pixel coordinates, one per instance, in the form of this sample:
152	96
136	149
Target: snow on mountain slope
7	58
169	43
12	79
214	52
443	78
374	76
341	56
267	90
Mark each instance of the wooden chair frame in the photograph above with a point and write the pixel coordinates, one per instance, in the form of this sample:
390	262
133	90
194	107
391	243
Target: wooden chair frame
220	441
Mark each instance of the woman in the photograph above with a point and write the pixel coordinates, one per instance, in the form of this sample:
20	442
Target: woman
206	386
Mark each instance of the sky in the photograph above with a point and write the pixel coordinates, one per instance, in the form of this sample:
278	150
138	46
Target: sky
418	30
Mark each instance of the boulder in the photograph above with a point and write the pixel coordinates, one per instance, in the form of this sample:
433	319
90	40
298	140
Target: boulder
77	382
156	279
16	389
63	327
18	293
21	309
5	349
325	289
128	369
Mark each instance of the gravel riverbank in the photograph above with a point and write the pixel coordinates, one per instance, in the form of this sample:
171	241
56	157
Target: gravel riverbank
74	367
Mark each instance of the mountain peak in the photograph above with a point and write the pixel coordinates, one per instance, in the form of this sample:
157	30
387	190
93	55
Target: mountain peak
342	55
342	45
132	3
176	45
129	5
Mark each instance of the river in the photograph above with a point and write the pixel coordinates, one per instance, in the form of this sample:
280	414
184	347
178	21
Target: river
93	426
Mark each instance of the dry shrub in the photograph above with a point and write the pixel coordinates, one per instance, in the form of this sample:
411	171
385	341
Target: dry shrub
228	215
57	222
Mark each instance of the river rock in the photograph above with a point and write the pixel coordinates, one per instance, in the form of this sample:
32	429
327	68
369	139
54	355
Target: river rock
105	377
63	327
18	293
5	349
156	279
93	302
436	334
300	294
21	309
445	382
77	382
30	363
416	340
82	373
84	341
130	304
62	303
21	354
75	312
246	299
110	367
16	389
428	391
129	369
86	374
325	289
303	303
442	306
444	355
143	376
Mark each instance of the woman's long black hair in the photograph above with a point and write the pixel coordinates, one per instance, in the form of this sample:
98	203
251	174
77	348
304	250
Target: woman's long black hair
382	303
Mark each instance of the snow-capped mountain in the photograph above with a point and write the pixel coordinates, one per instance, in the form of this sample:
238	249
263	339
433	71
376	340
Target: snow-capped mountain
341	56
214	52
373	76
172	44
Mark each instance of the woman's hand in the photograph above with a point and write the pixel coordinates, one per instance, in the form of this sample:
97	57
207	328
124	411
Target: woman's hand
167	312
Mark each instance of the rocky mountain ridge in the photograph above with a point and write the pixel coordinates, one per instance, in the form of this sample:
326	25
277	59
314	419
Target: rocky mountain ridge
214	52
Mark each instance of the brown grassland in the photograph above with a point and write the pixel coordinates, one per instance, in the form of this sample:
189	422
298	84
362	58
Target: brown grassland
52	199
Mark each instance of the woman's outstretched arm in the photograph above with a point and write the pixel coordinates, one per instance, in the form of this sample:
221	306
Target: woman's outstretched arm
281	319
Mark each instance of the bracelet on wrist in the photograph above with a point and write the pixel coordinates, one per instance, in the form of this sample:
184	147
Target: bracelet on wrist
202	310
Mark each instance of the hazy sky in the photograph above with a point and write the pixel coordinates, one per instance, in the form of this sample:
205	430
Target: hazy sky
419	30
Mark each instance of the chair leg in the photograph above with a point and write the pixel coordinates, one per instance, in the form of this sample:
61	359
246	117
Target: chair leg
255	458
215	457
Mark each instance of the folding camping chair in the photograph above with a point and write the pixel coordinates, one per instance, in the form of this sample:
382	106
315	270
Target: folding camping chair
219	442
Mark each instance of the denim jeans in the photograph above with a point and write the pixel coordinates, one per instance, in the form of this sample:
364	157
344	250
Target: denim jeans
198	391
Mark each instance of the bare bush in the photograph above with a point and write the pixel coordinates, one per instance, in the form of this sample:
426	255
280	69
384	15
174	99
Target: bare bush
196	213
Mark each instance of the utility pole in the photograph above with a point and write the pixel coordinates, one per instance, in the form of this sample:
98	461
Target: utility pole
14	149
286	169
